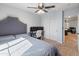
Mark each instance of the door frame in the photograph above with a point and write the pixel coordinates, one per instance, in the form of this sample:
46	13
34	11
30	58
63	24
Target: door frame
63	28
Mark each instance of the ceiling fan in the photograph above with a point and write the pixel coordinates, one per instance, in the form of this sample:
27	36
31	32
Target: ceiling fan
41	8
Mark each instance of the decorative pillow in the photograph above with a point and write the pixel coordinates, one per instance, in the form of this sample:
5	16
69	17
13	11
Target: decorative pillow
4	39
39	33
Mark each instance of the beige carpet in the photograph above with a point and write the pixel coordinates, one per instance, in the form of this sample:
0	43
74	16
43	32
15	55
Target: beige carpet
63	49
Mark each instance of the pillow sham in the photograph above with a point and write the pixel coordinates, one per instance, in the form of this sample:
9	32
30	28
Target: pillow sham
3	46
4	50
4	53
15	42
4	39
19	48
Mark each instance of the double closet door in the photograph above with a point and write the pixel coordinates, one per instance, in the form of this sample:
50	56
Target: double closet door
53	26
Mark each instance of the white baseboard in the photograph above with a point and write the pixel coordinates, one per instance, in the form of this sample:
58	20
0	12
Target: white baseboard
54	40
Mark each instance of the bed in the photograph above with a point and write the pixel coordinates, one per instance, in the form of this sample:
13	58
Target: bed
14	40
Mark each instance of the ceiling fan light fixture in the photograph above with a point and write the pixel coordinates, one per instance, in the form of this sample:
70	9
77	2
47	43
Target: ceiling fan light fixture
40	12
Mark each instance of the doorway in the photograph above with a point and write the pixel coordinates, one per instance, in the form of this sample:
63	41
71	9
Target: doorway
70	32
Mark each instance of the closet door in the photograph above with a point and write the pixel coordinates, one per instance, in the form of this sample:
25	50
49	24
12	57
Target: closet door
53	27
60	19
55	24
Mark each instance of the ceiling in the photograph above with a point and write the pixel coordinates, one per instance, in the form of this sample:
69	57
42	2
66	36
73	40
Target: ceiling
58	6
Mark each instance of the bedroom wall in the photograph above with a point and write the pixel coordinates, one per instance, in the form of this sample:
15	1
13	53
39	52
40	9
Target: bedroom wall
26	17
52	23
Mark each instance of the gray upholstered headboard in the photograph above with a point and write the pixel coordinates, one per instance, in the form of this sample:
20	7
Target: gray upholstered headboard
12	26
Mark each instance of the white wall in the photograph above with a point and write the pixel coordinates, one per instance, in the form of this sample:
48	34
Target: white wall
52	23
72	12
24	16
72	21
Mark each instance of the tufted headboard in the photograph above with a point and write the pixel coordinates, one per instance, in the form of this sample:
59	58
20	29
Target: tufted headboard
12	26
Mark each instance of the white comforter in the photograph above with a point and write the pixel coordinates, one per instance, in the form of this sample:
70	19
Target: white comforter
26	46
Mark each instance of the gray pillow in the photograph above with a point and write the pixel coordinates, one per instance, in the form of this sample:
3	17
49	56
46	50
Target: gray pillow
4	39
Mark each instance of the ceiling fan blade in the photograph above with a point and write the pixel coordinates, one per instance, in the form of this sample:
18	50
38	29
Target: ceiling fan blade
45	10
47	7
33	7
36	11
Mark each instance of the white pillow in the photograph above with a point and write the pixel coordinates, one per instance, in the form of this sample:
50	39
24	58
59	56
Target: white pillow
6	38
21	35
3	46
4	53
4	50
14	42
19	49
